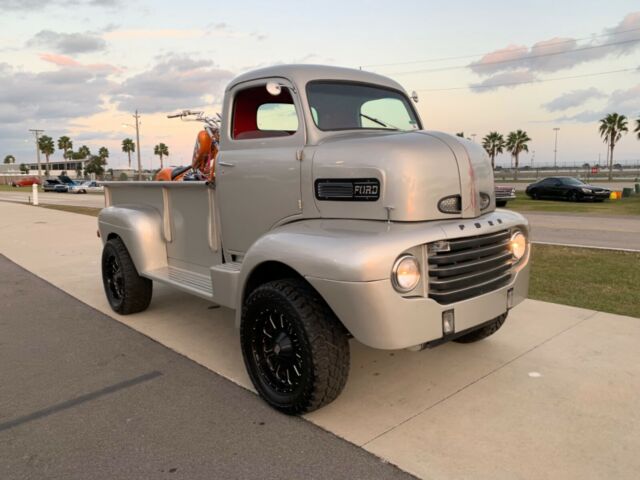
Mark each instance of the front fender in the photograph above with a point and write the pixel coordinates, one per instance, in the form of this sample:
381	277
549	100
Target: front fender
357	250
140	228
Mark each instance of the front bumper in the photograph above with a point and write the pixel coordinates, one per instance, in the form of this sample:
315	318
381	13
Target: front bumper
376	315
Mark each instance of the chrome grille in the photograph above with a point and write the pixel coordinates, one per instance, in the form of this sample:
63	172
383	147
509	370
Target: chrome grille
472	266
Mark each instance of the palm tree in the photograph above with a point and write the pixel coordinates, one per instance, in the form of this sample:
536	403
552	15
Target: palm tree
517	143
494	144
162	151
611	129
84	152
65	143
460	134
637	129
47	147
103	153
128	147
9	159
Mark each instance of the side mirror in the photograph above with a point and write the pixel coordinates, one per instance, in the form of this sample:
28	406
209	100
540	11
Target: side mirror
274	88
414	96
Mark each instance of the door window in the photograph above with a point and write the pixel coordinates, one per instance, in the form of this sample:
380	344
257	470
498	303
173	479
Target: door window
258	114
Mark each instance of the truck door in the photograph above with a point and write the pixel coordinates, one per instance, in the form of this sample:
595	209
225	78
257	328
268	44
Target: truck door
258	171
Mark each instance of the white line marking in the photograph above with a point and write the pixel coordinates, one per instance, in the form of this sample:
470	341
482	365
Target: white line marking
589	246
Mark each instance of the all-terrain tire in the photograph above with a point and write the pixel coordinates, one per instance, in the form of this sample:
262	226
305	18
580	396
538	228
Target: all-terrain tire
294	348
483	332
127	292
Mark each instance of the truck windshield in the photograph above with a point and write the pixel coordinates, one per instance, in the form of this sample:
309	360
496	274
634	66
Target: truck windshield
352	106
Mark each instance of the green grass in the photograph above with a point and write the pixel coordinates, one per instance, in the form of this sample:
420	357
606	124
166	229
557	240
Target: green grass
624	206
8	188
603	280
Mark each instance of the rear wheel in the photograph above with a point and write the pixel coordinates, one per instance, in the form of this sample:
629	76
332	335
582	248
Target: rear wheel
295	350
484	332
127	292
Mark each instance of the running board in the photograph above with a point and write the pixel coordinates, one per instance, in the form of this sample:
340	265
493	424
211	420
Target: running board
185	280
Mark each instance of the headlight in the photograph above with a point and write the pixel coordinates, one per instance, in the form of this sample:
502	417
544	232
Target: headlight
405	274
586	190
518	245
485	201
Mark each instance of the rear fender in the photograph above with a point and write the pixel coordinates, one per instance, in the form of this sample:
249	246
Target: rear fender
141	230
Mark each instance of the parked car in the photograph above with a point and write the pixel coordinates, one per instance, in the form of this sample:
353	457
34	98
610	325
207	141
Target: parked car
26	182
566	188
504	193
54	185
84	187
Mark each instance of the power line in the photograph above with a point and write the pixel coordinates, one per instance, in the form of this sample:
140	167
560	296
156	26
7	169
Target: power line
509	84
441	59
521	59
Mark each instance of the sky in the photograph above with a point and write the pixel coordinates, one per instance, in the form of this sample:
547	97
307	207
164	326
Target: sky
82	67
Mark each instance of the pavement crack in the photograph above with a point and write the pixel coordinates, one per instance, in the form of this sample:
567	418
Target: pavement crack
78	400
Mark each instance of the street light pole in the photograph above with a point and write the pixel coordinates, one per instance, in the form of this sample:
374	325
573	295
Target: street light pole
137	117
555	150
37	133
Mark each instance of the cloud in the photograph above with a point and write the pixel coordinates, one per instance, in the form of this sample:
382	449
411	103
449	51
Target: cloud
625	102
148	33
69	43
507	80
561	53
38	5
64	61
575	98
174	82
58	95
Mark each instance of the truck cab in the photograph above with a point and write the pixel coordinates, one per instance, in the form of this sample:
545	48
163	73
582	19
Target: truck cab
334	214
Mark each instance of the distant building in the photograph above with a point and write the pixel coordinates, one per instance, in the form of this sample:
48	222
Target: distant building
69	167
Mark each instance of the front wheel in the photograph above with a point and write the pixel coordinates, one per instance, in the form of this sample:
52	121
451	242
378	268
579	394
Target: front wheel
483	332
127	292
294	348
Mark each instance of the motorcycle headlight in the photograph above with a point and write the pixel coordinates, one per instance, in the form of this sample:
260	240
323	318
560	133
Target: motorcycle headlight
405	273
518	245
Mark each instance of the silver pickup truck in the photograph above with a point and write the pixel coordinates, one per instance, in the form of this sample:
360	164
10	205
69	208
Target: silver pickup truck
333	215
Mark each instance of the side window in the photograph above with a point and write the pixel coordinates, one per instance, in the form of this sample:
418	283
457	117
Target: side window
258	114
277	117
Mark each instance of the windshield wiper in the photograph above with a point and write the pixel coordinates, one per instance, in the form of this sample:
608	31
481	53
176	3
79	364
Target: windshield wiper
379	122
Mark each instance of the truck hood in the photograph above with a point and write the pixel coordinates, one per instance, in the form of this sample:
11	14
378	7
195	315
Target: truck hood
415	170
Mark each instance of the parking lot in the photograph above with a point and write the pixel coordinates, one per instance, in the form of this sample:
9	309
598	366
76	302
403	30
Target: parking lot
553	394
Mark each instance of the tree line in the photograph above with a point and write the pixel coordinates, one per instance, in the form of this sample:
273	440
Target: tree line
611	129
96	163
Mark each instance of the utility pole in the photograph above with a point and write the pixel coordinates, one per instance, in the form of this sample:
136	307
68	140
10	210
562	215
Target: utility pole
555	150
137	117
37	133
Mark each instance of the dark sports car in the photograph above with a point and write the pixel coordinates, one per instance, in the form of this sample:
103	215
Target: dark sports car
566	188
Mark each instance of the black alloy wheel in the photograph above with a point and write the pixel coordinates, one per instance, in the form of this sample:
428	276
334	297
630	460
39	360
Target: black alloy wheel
295	351
126	291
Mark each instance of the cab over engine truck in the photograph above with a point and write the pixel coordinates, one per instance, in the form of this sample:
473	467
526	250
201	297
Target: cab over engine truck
333	214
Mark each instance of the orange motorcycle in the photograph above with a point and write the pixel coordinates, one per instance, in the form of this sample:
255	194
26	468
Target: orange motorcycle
205	152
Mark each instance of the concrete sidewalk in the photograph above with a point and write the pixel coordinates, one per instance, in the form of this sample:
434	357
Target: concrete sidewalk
553	394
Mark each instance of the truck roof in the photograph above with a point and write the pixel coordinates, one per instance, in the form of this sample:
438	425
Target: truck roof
300	74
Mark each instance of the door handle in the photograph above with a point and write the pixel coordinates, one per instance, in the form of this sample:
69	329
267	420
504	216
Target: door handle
225	164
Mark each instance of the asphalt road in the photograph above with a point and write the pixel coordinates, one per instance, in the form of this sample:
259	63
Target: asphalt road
572	229
83	396
618	232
